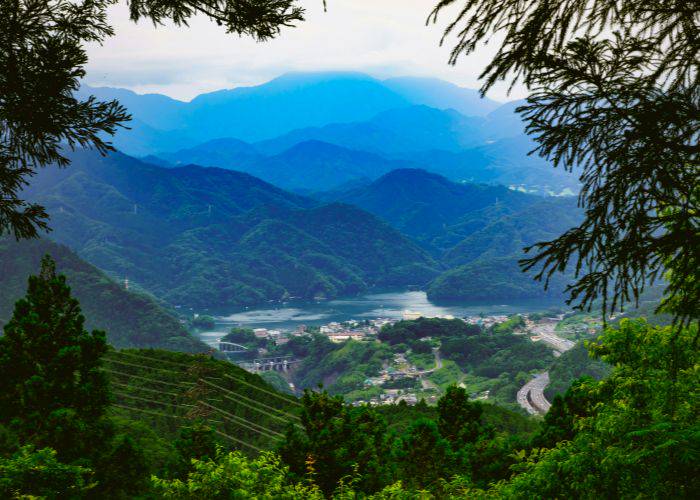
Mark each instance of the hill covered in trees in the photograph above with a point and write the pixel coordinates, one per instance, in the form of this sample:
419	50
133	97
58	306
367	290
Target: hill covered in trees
131	319
476	231
208	237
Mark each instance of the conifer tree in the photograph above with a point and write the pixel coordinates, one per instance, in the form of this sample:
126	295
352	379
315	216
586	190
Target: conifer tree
459	420
43	58
614	96
52	392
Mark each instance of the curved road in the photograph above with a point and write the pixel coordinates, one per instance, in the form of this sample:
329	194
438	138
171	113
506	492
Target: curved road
531	395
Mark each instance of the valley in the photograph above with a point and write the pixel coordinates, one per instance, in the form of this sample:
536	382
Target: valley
275	249
348	345
300	239
326	227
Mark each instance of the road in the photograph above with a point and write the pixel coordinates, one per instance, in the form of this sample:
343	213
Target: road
438	359
545	331
531	395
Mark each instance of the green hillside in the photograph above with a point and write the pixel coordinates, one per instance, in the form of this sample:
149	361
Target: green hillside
130	319
477	232
571	365
209	237
166	390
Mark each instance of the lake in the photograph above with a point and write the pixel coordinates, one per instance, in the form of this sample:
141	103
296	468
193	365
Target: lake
379	305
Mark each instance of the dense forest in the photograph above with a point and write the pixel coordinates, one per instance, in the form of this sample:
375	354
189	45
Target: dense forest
211	237
190	426
132	319
207	237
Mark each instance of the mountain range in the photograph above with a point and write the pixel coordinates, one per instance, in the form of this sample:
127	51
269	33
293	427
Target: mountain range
477	232
291	101
213	237
210	237
282	131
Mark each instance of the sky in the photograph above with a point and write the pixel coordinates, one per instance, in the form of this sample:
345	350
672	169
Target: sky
384	38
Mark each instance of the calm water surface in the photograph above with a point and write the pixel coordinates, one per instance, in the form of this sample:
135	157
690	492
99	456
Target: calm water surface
380	305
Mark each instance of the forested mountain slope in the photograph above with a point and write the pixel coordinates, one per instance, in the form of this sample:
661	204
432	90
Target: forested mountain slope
167	390
130	319
422	204
208	237
476	231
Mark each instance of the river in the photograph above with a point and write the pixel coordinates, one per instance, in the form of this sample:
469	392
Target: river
379	305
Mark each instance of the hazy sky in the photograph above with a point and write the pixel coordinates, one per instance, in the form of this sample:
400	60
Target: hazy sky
381	37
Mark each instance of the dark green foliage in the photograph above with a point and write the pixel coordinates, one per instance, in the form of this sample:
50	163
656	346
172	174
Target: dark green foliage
571	365
259	19
130	318
425	457
43	59
559	422
338	441
52	392
640	431
203	322
614	92
196	441
164	390
489	279
243	336
157	448
459	420
341	368
405	331
399	417
402	383
420	347
642	136
123	473
490	354
40	474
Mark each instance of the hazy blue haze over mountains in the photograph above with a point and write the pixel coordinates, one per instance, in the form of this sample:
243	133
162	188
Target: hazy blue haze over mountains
419	122
365	153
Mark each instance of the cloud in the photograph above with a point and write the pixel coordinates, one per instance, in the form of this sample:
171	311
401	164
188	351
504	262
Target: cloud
382	37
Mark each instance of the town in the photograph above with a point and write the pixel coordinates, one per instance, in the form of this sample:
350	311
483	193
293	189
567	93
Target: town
407	376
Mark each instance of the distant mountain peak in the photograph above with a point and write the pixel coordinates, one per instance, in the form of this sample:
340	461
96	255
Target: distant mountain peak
401	174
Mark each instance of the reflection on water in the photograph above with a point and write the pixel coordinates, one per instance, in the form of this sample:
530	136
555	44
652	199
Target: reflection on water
381	305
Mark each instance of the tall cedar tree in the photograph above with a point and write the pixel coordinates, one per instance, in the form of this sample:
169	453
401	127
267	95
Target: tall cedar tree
614	95
42	60
52	391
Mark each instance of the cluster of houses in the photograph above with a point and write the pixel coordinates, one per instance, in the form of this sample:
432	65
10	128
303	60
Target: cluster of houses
277	336
353	330
486	321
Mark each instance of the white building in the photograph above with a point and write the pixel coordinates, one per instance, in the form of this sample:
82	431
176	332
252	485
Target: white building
261	333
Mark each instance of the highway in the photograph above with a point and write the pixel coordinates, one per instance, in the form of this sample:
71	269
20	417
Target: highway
531	395
545	331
